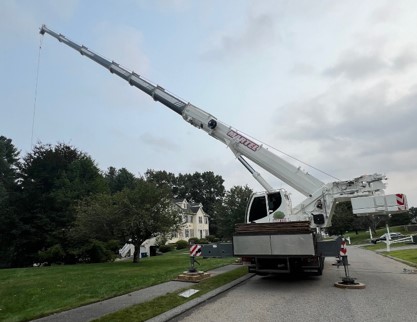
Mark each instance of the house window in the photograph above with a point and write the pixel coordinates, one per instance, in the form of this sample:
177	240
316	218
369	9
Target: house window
207	232
200	220
189	219
187	233
201	234
206	220
191	233
174	234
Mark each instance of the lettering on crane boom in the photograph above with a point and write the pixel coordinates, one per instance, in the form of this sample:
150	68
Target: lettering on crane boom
242	140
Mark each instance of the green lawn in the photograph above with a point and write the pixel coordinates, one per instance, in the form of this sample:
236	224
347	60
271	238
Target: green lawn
28	293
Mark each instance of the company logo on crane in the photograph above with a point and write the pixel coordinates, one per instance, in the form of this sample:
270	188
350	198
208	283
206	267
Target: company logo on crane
243	140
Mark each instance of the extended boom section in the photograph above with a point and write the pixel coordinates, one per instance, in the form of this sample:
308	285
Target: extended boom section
239	143
157	92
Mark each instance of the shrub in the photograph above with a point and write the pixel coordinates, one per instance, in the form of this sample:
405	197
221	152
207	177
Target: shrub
165	248
182	244
212	238
113	245
203	241
193	240
54	254
95	251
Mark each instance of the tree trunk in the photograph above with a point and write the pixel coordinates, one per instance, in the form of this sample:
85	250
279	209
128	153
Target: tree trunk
136	253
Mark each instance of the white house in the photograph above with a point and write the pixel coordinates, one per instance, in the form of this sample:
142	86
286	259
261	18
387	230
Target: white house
196	221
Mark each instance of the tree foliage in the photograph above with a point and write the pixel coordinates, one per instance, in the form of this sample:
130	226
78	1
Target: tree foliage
147	211
9	194
232	210
135	215
52	180
163	179
343	219
400	219
56	205
97	217
413	214
117	180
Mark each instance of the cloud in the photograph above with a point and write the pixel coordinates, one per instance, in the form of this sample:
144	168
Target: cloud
354	65
352	128
387	13
159	143
405	59
257	33
302	69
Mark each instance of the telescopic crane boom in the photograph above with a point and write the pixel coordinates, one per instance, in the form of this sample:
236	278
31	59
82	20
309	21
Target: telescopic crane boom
239	144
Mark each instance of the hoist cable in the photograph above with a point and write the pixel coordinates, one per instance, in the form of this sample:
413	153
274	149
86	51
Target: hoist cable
292	157
36	90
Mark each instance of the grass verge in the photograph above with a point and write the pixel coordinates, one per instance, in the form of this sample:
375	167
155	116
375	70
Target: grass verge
29	293
382	245
148	310
407	255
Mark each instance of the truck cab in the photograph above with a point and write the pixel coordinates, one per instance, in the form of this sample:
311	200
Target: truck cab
268	207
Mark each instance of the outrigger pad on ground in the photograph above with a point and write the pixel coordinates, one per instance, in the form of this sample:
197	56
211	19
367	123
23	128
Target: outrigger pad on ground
354	286
192	277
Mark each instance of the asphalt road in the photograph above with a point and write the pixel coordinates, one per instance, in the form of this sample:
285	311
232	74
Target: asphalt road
390	295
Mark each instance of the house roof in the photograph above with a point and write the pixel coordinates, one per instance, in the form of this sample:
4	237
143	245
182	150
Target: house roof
191	207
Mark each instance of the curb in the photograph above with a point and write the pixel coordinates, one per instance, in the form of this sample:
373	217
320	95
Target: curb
191	304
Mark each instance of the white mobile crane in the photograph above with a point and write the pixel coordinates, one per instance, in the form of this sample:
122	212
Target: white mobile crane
276	238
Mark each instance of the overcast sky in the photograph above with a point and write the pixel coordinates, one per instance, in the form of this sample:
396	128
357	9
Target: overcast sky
331	83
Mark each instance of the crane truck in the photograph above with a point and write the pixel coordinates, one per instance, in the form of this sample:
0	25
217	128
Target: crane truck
276	237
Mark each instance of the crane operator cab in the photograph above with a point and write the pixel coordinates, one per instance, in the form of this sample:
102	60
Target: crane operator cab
266	207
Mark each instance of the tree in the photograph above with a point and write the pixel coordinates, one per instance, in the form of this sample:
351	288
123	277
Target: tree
146	212
97	218
9	193
413	214
205	188
117	180
96	236
232	210
135	214
400	219
52	179
343	219
162	179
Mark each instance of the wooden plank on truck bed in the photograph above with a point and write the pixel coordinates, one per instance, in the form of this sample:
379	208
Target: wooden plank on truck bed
292	227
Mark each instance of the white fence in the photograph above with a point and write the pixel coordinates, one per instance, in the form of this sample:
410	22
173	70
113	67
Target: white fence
389	242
